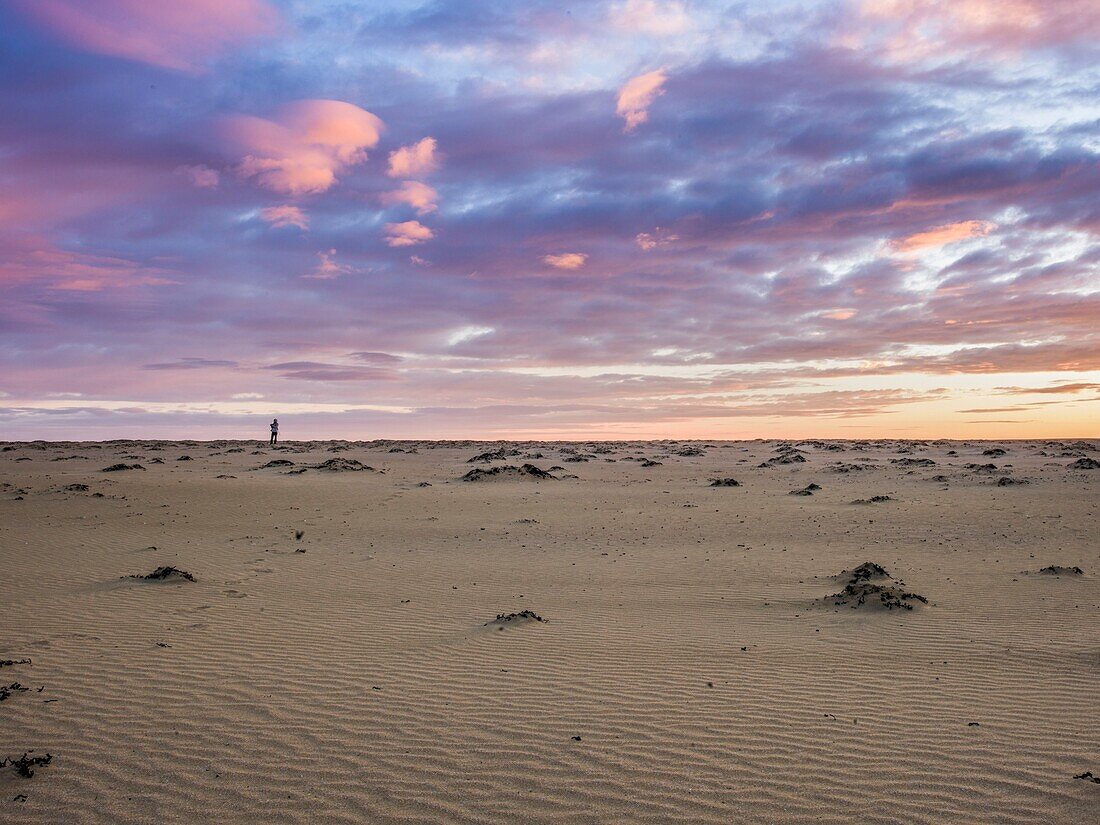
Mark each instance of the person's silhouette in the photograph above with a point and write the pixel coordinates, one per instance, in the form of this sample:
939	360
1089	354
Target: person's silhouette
274	431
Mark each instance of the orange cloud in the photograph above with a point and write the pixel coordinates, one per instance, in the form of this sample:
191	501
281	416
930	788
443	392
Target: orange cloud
635	98
286	215
35	259
943	235
172	35
303	148
415	160
419	196
407	233
566	260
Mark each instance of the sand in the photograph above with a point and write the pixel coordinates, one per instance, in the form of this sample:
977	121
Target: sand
338	656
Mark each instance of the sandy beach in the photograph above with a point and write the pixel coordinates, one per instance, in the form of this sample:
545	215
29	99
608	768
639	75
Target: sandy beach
393	632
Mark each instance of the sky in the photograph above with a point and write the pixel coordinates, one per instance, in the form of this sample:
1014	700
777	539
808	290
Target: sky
626	219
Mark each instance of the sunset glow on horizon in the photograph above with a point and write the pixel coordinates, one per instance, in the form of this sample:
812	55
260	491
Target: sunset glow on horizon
615	220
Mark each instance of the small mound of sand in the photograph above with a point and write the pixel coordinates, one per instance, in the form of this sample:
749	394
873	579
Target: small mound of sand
725	482
342	465
995	452
164	573
185	458
1058	570
25	764
523	617
1006	481
277	462
862	591
75	488
786	458
527	471
913	462
649	462
115	468
1085	464
689	452
802	492
492	455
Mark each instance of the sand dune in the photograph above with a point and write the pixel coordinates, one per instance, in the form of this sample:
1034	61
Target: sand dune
664	650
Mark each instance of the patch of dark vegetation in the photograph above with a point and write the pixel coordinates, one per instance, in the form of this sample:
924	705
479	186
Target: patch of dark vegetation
872	500
724	482
75	488
225	475
14	662
995	452
521	617
786	458
1088	777
649	462
185	458
116	468
982	468
25	764
861	590
913	462
1085	464
688	452
492	455
1058	570
342	465
527	471
8	690
849	468
156	461
1007	481
163	573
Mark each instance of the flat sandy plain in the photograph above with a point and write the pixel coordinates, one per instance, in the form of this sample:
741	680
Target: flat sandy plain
691	667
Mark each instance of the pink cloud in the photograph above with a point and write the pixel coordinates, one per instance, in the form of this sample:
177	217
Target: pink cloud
304	146
414	160
327	268
651	17
418	195
566	260
635	98
918	29
943	235
286	215
29	259
201	177
407	233
172	35
651	240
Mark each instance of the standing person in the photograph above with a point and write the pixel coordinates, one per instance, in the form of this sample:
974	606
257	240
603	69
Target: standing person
274	431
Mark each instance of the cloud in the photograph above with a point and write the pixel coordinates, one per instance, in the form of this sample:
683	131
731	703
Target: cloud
413	161
304	146
320	371
170	35
327	268
648	241
285	215
201	177
566	260
419	196
650	17
943	235
1054	389
407	233
636	96
30	259
191	364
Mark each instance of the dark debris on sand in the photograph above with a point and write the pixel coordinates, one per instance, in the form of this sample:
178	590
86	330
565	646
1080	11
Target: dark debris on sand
1088	777
1058	570
786	458
1008	481
342	465
516	618
724	482
861	589
507	471
1085	464
872	500
492	455
25	764
163	573
14	662
115	468
277	462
